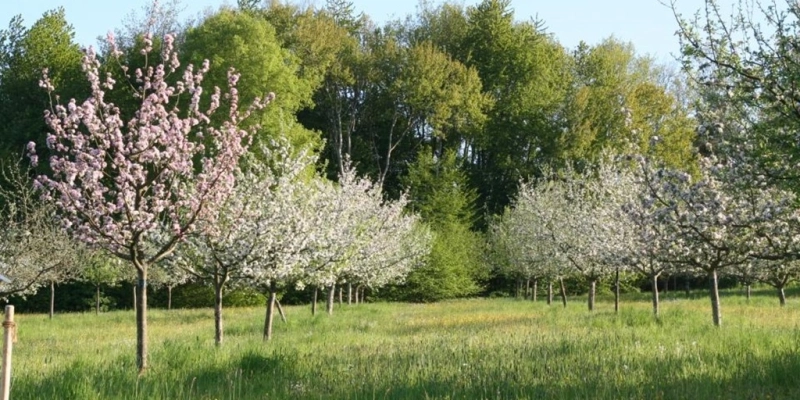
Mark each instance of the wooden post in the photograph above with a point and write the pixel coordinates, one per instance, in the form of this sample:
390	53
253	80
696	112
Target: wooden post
9	337
280	309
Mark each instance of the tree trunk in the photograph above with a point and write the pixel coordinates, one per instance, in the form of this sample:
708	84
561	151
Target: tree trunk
97	300
52	298
135	288
314	302
549	292
169	298
616	290
687	287
519	288
655	294
563	291
349	293
280	309
331	298
218	332
715	309
141	320
747	289
273	291
363	296
782	296
592	291
340	295
527	288
535	294
358	292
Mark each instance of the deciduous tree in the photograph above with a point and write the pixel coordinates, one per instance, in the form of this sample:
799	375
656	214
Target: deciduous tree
117	182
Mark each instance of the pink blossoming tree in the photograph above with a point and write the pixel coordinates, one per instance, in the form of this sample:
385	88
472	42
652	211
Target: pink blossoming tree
118	182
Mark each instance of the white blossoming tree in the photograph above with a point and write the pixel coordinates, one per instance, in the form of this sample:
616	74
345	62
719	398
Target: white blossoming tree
364	239
224	250
34	247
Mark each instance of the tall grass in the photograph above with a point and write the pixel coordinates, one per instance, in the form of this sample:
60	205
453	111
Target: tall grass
470	349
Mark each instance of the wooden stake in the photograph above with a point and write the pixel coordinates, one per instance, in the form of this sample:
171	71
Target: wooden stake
9	337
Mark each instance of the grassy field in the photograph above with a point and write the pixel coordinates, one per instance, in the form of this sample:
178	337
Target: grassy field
470	349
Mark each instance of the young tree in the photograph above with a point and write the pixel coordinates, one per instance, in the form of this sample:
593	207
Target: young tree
167	274
584	227
365	239
118	182
534	216
100	269
710	226
439	190
229	244
34	247
519	248
650	234
289	216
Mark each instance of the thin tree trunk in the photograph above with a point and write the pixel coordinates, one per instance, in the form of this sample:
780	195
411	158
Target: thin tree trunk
52	298
349	293
97	300
141	319
363	296
592	291
747	289
273	291
563	291
169	297
616	290
715	308
535	294
135	288
331	297
687	287
519	288
314	302
782	296
340	295
549	292
527	288
280	309
655	294
218	332
358	293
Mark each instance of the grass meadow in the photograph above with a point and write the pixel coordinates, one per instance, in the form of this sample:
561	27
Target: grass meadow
466	349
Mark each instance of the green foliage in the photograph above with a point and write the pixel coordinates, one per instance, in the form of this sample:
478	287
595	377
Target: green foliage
526	73
439	190
248	43
101	269
453	269
24	55
618	104
196	295
440	193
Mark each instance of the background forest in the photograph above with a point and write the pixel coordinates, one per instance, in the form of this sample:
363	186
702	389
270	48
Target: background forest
454	109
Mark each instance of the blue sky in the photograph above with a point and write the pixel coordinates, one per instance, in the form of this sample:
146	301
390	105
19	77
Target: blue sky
648	24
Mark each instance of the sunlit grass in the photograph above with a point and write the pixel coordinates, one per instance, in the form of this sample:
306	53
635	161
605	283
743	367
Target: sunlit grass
471	349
